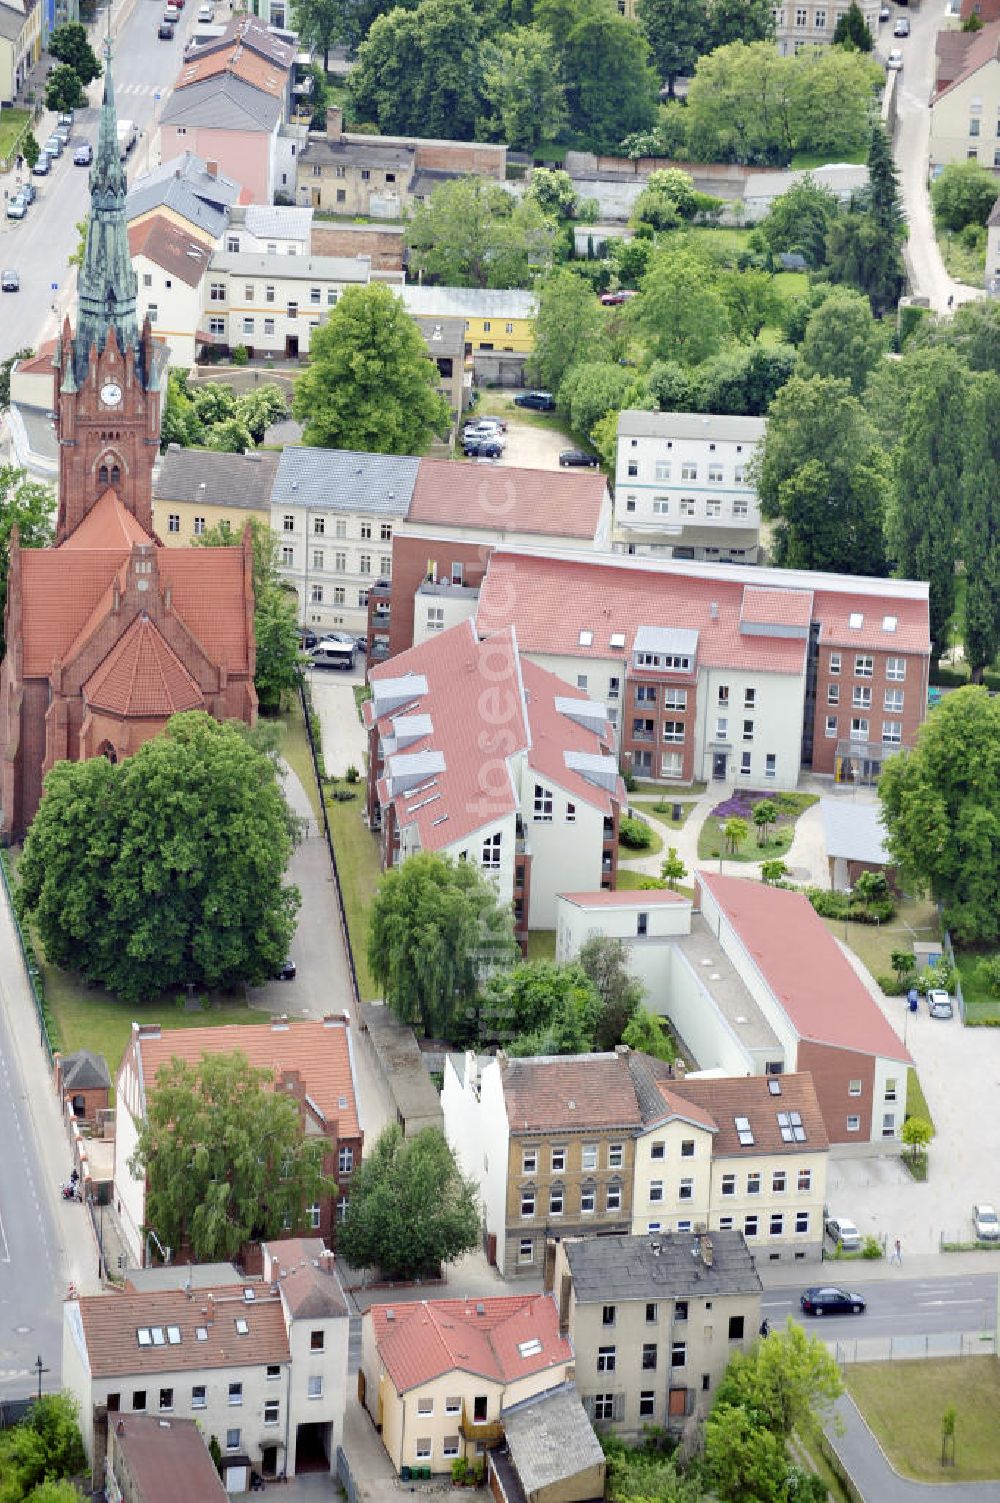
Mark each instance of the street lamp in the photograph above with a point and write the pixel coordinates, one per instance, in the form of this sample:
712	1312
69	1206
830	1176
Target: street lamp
39	1368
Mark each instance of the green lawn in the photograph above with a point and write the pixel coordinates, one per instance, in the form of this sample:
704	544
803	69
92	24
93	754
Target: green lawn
916	1101
980	1003
663	811
542	944
903	1403
295	751
631	853
807	160
666	790
360	872
916	918
12	123
968	266
711	841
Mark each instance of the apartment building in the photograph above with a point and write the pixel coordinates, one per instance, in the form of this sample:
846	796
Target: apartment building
436	1376
170	264
189	192
965	100
684	487
811	23
261	1366
654	1321
194	490
272	303
485	758
725	673
496	318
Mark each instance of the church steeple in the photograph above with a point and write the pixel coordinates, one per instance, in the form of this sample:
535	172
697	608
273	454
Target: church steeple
107	286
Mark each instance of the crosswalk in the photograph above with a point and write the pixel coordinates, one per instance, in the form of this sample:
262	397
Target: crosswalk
136	90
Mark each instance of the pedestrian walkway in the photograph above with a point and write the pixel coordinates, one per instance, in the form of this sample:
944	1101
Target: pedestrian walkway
874	1477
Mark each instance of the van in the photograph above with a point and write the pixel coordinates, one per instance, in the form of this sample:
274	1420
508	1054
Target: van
332	654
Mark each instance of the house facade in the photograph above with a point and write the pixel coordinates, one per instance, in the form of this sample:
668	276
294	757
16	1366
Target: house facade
684	487
965	102
20	44
495	318
272	303
993	249
811	23
195	490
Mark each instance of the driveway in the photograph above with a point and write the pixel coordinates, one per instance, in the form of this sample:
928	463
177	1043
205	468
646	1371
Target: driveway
344	741
533	448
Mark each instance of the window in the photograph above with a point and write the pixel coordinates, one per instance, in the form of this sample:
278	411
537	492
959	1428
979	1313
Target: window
741	507
777	1224
614	688
861	698
588	1200
661	469
248	326
608	1315
770	765
713	508
604	1406
340	563
273	1371
173	522
292	310
339	595
753	1182
435	618
217	292
271	1407
633	469
859	729
365	564
543	805
315	1388
833	694
678	1354
269	294
831	727
556	1200
835	662
854	1124
974	126
269	326
558	1160
589	1156
801	1221
449	1446
689	470
647	1404
686	1190
154	313
744	764
655	1191
312	1217
651	1314
750	1226
615	1152
423	1448
715	473
491	852
642	924
613	1198
673	731
675	699
854	1088
605	1359
661	506
166	1398
345	1160
688	507
892	732
803	1180
235	1394
527	1203
645	694
721	728
199	526
233	1440
729	1184
864	667
199	1396
658	1150
425	1406
895	668
819	20
894	701
317	558
316	594
672	765
779	1182
748	730
217	326
723	696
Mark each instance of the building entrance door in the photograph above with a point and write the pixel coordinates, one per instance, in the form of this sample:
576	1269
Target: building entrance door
719	763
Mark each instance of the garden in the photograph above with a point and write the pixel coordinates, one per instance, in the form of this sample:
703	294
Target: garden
908	1404
769	818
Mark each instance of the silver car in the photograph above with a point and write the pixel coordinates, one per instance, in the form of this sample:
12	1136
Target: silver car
986	1222
840	1230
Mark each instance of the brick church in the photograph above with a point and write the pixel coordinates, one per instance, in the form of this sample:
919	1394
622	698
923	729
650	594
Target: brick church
109	633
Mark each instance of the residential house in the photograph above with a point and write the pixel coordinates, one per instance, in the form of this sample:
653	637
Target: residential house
170	264
654	1322
383	177
196	489
83	1081
310	1061
334	513
983	10
191	193
445	341
722	672
549	1452
965	102
261	1366
684	486
855	837
20	44
383	244
268	230
270	304
496	318
993	250
456	516
153	1460
436	1375
811	23
481	757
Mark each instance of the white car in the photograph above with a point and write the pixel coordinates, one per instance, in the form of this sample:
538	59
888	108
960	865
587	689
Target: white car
895	60
939	1004
844	1232
986	1222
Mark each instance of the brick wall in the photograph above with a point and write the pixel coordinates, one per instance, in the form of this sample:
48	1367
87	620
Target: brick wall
459	156
409	569
844	682
832	1071
656	712
384	246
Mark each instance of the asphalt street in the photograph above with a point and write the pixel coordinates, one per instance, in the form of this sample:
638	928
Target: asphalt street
897	1306
38	246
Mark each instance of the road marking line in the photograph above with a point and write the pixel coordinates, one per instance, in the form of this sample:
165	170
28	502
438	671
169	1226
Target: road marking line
6	1250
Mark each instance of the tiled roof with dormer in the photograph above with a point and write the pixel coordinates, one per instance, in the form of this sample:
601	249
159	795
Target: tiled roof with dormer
142	677
504	1338
110	1327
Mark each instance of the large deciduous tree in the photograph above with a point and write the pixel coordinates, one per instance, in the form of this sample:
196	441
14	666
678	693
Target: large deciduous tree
569	328
370	384
166	869
842	339
739	21
799	220
822	477
472	233
42	1452
981	523
419	72
28	506
225	1157
605	961
63	90
411	1209
321	23
941	809
592	389
436	932
677	31
70	44
523	89
964	193
611	89
680	310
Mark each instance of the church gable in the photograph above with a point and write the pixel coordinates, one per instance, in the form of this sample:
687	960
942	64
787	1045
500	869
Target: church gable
142	677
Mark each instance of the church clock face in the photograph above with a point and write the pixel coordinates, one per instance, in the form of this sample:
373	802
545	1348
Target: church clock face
111	394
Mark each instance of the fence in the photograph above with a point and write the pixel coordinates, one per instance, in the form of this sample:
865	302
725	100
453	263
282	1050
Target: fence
950	957
30	964
346	1477
307	715
916	1348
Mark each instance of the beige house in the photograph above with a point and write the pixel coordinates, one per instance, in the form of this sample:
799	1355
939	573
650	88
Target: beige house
965	104
811	23
196	489
437	1375
272	303
20	44
654	1322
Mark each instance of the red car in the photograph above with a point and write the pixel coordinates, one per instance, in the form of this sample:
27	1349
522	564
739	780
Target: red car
615	299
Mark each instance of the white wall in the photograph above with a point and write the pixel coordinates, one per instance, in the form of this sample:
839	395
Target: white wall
777	725
888	1069
331	1365
472	846
691	1009
130	1192
978	98
177	309
560	849
458	605
648	955
635	517
307	559
475	1124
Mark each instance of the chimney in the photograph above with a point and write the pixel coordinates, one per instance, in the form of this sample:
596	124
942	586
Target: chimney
565	1289
549	1267
326	1260
707	1251
212	169
334	122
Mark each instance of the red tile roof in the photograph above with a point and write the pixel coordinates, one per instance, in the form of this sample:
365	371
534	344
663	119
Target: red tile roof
554	1093
777	607
680	1103
110	1324
261	72
420	1342
804	967
471	496
170	246
168	1459
41	361
553	734
649	897
750	1096
910	634
107	525
319	1051
142	676
982	47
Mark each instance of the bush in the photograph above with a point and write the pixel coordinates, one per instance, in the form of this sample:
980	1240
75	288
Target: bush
963	194
459	1469
892	986
240	354
635	833
989	975
630	780
871	1248
351	775
844	905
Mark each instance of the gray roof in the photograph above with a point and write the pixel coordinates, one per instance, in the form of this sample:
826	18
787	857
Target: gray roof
282	221
182	199
85	1071
357	151
298	268
222	102
179	1275
214	188
682	640
841	178
470	302
12	23
413	1095
633	423
444	336
221	479
663	1265
426	179
854	831
341	480
550	1439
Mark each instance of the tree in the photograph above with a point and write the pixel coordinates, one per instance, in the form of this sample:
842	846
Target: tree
903	962
764	816
680	310
822	477
852	31
980	512
6	366
321	24
751	302
370	384
70	44
411	1209
435	932
973	332
275	612
882	195
744	1462
858	251
523	1002
923	519
842	339
677	31
739	21
773	873
419	72
611	89
741	380
916	1133
941	809
165	869
798	220
225	1156
672	868
31	149
552	190
41	1452
645	1034
592	389
472	233
51	1491
523	90
605	961
63	90
569	328
571	1025
27	506
259	407
785	1383
963	193
734	833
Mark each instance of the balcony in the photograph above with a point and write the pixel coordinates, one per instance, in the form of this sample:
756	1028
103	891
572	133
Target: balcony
487	1432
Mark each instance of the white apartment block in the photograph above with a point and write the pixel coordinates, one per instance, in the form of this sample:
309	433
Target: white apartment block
683	485
813	22
272	303
333	514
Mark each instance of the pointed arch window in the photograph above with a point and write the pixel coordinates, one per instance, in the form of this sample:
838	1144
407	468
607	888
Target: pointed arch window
102	475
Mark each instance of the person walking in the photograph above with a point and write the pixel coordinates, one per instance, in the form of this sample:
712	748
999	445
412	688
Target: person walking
896	1256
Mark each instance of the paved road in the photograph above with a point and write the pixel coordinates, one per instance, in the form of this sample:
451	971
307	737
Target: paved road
897	1306
875	1479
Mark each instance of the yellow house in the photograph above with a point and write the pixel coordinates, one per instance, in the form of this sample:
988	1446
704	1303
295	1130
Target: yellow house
495	318
196	489
436	1376
965	105
20	45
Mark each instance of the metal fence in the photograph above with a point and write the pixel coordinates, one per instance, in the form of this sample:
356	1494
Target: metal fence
914	1348
30	963
307	715
950	957
346	1477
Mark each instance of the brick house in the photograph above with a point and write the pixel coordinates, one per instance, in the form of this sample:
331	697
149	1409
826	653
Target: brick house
83	1080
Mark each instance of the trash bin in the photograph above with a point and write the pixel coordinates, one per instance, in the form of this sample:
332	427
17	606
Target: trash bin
675	813
404	1473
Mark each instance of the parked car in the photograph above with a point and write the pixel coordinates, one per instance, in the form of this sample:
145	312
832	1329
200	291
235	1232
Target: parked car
986	1222
939	1004
827	1299
482	448
9	281
43	166
902	27
307	638
165	31
67	117
481	433
285	972
885	11
28	192
206	13
895	60
54	145
578	458
839	1229
541	401
16	207
63	132
83	155
327	654
498	422
171	13
615	299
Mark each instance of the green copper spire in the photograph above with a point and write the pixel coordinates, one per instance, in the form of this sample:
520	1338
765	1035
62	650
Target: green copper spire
107	286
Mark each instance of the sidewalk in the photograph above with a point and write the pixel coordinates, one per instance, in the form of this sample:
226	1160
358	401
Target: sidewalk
874	1477
856	1271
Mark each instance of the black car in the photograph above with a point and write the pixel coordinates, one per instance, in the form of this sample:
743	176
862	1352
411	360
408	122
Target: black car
579	458
828	1299
482	448
83	155
541	401
285	972
165	31
307	639
43	166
